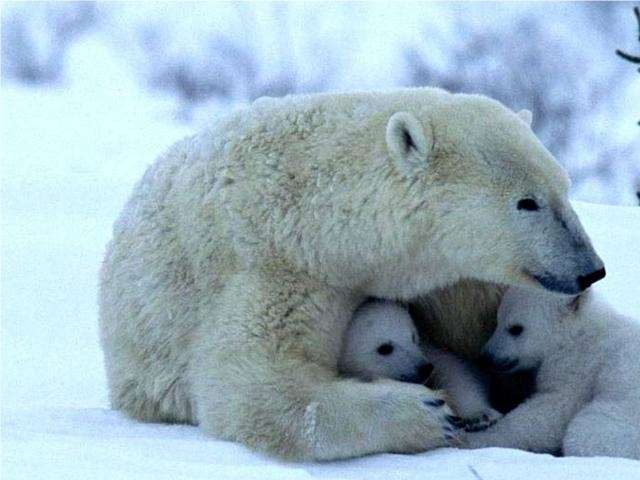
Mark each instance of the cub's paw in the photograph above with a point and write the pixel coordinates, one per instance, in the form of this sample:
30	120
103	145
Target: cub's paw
437	407
482	421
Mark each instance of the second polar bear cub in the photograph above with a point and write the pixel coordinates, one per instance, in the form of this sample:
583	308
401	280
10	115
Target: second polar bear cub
587	400
382	342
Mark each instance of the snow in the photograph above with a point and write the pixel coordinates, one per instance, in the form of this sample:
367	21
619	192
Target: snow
68	443
70	157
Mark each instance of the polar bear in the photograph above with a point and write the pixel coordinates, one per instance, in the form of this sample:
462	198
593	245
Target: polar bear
587	401
382	342
238	261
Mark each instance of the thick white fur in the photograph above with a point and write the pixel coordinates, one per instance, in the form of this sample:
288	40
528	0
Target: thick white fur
587	400
386	323
243	252
377	323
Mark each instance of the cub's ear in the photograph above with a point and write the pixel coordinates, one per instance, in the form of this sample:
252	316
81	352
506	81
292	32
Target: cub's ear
526	116
407	143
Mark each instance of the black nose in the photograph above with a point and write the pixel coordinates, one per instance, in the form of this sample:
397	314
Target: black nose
585	281
485	361
505	364
500	364
424	372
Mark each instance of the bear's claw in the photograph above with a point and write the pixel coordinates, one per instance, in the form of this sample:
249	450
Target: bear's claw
481	422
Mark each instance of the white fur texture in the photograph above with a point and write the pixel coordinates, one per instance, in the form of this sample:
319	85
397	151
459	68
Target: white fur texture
243	252
587	400
387	324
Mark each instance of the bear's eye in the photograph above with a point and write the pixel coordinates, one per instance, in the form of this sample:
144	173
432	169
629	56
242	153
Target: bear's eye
515	330
528	204
385	349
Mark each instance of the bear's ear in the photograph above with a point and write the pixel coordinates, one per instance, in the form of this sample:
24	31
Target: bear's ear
407	143
526	116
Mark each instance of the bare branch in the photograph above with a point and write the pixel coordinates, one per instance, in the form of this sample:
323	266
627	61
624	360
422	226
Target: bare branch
628	57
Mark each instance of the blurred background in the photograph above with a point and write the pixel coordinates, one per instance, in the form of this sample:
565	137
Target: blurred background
202	59
91	93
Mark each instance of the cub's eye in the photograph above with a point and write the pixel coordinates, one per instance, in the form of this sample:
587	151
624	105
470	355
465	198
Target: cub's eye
528	204
515	330
385	349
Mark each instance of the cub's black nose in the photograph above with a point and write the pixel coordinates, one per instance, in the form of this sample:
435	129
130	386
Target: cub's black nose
490	362
505	364
420	375
585	281
485	361
424	372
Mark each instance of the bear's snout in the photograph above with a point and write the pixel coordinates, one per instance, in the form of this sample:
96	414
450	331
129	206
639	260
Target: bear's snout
421	374
490	362
571	286
585	281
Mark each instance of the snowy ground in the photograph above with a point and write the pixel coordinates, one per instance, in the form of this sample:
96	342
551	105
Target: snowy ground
69	159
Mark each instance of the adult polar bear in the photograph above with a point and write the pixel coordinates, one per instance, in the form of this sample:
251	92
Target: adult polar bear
238	261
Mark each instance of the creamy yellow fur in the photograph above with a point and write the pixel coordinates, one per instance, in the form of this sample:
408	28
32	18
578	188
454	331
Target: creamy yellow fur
244	250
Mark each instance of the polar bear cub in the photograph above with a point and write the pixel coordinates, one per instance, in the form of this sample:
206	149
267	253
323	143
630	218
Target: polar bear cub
588	376
382	342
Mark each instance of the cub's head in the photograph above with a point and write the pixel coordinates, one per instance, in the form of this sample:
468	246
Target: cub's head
490	195
382	342
530	326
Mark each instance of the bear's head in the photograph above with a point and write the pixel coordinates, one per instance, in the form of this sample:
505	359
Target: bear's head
531	325
382	342
491	199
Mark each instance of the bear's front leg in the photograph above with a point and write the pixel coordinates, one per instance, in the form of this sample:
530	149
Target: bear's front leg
264	374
